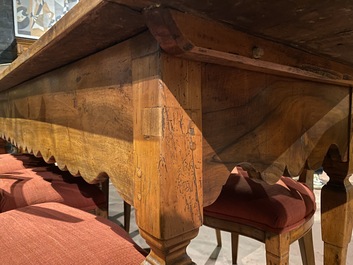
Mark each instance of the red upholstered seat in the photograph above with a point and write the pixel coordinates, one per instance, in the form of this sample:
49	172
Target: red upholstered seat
27	180
14	162
276	215
53	233
276	208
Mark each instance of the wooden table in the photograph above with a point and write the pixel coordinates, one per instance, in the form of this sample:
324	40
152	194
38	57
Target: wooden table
165	103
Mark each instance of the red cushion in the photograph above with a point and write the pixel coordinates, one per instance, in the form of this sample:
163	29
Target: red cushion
22	188
27	180
277	208
13	162
53	233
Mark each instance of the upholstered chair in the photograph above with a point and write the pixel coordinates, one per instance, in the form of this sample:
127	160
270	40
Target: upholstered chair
276	215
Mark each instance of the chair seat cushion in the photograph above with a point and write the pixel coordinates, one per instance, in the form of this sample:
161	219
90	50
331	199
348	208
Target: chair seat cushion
13	162
53	233
27	180
277	208
23	187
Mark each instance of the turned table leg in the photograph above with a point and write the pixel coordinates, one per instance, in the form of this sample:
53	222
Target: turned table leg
168	155
170	251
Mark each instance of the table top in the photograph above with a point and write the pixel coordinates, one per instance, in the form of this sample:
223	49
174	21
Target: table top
318	28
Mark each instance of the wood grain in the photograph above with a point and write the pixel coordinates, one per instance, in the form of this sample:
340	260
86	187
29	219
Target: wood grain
167	130
83	31
323	28
272	135
80	116
223	45
168	154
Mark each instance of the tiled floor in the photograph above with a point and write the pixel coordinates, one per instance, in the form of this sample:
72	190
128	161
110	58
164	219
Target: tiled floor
203	248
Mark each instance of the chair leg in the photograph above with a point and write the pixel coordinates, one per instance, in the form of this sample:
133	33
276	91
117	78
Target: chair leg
307	177
219	238
127	214
277	249
103	210
235	243
307	248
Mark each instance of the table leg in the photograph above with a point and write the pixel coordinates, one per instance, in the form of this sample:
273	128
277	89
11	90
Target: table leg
168	155
170	251
336	213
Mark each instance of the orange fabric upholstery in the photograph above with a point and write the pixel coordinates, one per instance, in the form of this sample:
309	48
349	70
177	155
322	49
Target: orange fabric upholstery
14	162
27	180
277	208
53	233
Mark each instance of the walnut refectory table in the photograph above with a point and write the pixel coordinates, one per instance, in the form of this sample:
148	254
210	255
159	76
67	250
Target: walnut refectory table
166	97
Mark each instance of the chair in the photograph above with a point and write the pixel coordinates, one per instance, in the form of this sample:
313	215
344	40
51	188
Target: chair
27	180
276	215
53	233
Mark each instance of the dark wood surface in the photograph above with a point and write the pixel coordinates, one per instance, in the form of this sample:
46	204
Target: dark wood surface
323	27
319	27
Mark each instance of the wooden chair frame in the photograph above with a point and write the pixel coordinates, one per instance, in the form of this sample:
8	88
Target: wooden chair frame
277	245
